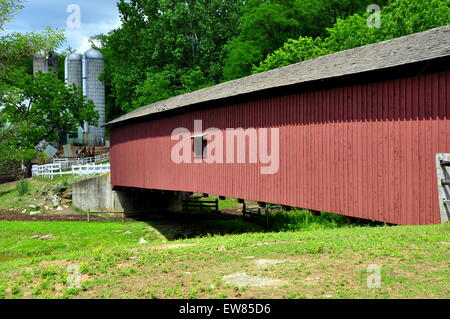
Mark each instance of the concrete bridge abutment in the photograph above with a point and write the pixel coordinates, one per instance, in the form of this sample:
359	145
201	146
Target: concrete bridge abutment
96	195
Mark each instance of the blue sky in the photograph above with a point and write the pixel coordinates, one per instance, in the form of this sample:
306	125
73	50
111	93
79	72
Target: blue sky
97	16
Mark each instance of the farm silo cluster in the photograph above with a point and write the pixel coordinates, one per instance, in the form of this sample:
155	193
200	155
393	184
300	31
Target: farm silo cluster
84	71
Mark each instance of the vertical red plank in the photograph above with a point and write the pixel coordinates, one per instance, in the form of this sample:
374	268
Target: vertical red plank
360	159
409	193
315	142
390	143
332	146
428	144
435	143
400	177
375	133
352	164
421	137
345	146
367	187
338	150
326	123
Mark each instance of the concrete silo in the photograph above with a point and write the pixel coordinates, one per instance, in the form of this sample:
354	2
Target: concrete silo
45	63
73	70
73	74
52	63
40	63
94	89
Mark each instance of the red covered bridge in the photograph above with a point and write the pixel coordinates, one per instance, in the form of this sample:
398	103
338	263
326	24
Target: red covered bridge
358	134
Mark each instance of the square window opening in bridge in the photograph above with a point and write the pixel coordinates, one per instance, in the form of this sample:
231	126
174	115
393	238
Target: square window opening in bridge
199	143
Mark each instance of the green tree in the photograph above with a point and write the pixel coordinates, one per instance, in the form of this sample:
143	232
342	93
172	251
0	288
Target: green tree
293	51
12	151
266	25
39	107
398	18
17	50
33	108
156	87
263	28
185	38
7	10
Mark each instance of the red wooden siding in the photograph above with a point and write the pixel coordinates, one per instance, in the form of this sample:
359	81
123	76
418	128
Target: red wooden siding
365	151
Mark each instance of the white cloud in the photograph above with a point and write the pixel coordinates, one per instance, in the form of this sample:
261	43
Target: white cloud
99	16
78	39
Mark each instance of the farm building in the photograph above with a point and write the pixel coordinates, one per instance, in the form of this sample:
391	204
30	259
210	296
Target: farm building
354	133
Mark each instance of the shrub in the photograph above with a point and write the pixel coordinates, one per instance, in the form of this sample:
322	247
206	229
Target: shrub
299	220
23	187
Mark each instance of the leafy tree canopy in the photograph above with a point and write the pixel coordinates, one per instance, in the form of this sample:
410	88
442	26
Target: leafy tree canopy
399	18
167	46
33	107
7	9
266	25
39	107
17	50
293	51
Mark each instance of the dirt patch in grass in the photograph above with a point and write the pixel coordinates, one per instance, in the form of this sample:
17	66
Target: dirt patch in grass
56	263
163	247
269	243
172	246
266	263
243	280
61	216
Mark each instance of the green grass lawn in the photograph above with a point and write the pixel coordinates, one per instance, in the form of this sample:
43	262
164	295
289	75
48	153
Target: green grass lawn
227	203
321	263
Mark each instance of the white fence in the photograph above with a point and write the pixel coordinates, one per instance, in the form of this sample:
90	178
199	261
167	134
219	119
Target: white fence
67	163
51	170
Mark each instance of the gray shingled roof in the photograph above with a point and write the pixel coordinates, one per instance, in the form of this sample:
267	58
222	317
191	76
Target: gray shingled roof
428	45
